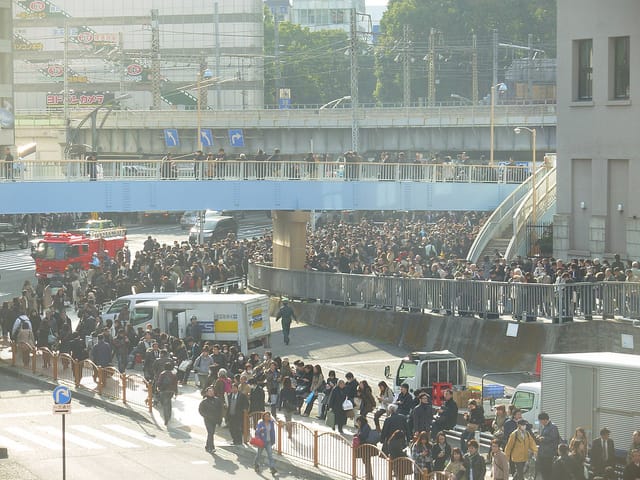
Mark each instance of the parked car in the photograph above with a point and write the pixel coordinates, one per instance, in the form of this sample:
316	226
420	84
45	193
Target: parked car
189	219
213	229
10	235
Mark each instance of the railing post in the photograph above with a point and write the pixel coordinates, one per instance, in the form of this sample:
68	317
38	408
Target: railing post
123	380
54	364
245	426
279	444
101	376
77	371
149	396
354	471
316	459
14	353
32	354
390	467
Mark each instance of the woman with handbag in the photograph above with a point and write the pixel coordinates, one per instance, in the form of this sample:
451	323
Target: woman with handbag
211	409
317	386
265	433
336	404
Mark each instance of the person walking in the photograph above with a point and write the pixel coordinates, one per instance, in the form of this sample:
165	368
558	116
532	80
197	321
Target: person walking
519	445
548	442
238	404
265	431
211	409
286	314
167	387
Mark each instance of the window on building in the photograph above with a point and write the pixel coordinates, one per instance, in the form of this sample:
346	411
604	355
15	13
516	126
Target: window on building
585	69
620	68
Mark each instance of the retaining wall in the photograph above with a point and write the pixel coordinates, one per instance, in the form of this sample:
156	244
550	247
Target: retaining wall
482	343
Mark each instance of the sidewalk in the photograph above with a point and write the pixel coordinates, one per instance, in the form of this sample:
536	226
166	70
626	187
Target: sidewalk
187	422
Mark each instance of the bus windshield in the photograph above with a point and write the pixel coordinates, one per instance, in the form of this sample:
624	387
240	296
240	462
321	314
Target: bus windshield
407	369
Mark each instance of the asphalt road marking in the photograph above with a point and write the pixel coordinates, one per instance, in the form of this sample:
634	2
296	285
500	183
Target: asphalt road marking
138	436
71	438
42	413
33	438
13	445
105	437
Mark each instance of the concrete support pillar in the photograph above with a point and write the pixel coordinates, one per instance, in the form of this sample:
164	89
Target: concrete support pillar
289	239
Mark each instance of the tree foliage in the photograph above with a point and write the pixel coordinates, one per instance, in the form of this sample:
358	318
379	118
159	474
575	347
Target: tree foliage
457	21
314	65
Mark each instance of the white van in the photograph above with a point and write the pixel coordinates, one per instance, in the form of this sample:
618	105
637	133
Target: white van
112	311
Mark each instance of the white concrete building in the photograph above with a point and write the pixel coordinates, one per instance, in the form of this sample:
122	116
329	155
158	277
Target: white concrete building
150	50
598	209
328	14
6	78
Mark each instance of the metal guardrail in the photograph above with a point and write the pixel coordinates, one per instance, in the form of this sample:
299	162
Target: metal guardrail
521	301
237	170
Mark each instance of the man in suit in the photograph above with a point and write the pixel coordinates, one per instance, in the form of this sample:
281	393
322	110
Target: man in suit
603	453
238	404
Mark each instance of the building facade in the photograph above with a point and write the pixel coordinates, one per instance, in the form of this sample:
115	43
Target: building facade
6	78
598	208
159	54
280	9
328	14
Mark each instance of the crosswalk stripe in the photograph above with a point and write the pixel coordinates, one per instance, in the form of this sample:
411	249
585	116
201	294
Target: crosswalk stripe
12	445
33	438
71	438
138	436
104	436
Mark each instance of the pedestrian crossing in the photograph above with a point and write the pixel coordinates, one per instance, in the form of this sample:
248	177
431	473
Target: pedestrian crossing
17	260
79	437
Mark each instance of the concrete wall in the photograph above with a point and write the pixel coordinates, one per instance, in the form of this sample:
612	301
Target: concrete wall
598	158
482	343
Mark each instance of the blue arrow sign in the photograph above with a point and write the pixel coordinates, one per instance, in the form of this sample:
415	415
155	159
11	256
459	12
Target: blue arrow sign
171	138
206	137
236	137
61	395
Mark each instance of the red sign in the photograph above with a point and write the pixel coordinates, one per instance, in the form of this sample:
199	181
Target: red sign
134	69
37	6
55	70
85	37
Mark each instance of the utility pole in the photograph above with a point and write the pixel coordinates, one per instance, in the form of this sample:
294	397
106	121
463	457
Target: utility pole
494	80
65	87
278	72
123	59
474	69
431	69
216	19
406	70
355	140
155	60
203	91
529	66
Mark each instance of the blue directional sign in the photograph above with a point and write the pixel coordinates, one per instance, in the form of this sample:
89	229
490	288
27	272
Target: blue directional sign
61	395
236	137
171	138
206	137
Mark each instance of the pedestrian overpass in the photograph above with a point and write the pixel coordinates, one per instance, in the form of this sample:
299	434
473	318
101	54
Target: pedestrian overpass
139	185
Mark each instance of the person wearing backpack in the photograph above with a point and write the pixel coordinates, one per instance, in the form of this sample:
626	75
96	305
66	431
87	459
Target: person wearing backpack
520	443
211	409
167	387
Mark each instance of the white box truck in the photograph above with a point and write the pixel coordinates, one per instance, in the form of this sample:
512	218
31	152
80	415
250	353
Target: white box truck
589	390
241	319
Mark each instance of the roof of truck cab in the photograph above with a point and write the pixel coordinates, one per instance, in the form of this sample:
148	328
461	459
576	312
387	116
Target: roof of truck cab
605	359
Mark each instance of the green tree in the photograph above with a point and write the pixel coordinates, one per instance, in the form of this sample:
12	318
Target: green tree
314	65
457	21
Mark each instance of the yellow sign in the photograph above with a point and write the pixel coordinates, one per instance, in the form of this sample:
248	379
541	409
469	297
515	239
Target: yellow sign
226	326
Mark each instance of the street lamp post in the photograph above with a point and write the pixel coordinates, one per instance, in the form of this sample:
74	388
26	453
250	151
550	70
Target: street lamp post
501	89
206	75
534	192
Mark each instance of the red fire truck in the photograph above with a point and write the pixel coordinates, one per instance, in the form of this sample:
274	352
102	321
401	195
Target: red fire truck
57	251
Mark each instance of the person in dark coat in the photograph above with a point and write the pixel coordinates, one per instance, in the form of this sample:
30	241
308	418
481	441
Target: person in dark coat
394	422
474	462
632	469
211	409
422	415
603	453
336	399
447	414
286	314
256	398
238	404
